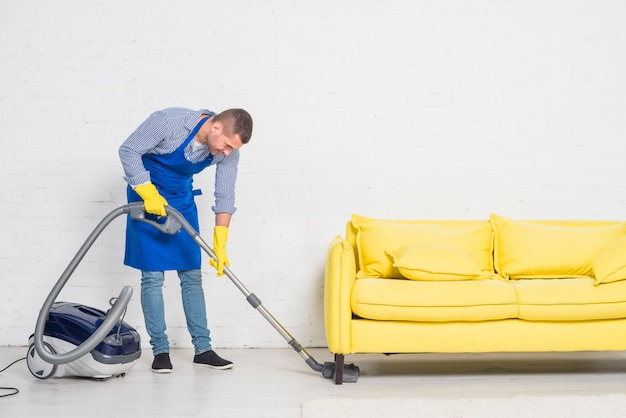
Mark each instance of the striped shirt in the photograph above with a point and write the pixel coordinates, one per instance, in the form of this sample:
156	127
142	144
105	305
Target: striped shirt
162	133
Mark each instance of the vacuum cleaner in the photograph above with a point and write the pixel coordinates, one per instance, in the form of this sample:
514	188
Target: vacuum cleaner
172	224
77	340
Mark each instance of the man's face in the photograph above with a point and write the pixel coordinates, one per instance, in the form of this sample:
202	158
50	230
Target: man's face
220	143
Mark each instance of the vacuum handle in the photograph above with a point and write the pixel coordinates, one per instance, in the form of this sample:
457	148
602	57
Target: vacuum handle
171	225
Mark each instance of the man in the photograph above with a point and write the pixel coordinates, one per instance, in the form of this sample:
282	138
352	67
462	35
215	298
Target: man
159	161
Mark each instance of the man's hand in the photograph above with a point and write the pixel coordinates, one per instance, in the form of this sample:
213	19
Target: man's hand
220	236
153	202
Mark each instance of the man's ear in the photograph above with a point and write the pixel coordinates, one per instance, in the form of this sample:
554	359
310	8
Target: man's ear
217	127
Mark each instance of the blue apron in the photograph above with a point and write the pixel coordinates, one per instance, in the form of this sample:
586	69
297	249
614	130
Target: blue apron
146	247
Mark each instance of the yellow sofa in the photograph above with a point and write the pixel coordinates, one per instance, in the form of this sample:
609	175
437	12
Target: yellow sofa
495	285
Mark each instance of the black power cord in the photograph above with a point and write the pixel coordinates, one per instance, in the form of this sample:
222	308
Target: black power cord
13	391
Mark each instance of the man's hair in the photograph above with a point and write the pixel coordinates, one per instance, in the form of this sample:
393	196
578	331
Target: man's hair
236	122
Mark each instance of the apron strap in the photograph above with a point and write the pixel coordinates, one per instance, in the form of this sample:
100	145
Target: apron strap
195	130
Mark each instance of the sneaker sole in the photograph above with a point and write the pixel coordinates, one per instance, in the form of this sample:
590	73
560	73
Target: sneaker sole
226	367
162	371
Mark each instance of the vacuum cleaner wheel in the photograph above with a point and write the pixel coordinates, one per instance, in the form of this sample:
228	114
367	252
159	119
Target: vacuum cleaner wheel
37	366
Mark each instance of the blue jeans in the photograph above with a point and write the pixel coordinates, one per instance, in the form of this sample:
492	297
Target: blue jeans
193	304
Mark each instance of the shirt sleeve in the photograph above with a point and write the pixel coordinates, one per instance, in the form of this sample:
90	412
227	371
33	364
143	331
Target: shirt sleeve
144	140
225	178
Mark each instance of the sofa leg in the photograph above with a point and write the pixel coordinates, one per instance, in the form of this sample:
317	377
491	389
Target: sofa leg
339	363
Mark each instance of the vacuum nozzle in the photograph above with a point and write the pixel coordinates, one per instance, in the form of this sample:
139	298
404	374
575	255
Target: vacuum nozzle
350	373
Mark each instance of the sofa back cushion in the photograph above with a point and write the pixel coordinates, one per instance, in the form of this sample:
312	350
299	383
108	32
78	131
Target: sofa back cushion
550	249
377	239
434	261
610	265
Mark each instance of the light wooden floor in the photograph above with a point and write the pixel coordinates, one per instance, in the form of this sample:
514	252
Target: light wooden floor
273	383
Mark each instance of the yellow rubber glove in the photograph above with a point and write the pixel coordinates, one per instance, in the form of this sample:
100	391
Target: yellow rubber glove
220	236
153	202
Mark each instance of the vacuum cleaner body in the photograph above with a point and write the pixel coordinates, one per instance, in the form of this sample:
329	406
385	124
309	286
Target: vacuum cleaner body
68	326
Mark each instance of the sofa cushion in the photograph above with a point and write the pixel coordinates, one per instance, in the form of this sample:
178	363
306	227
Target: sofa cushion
433	301
577	299
610	265
376	237
435	261
550	249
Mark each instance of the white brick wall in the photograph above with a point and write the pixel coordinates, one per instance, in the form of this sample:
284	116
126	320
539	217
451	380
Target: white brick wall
430	109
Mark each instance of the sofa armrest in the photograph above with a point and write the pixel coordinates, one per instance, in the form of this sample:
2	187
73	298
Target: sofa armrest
339	280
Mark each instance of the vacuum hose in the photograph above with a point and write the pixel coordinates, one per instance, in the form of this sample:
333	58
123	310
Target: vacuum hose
112	318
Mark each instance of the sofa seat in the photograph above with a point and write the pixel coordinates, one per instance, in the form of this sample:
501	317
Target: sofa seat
578	299
408	300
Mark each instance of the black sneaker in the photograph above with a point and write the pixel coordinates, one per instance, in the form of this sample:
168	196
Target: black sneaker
212	360
162	363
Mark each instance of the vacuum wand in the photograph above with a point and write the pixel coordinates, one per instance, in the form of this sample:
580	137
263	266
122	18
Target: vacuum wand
174	222
256	303
252	299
